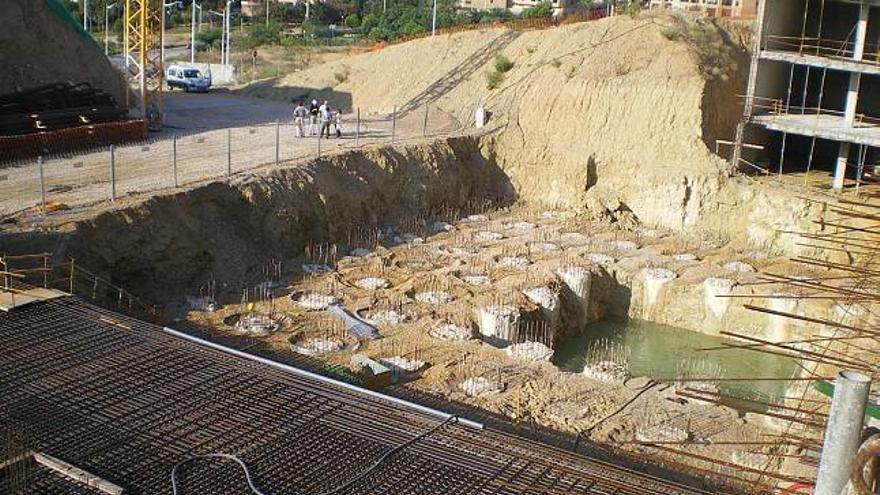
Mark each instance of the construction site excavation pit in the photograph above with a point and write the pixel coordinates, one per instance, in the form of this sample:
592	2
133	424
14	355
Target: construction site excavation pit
582	266
560	307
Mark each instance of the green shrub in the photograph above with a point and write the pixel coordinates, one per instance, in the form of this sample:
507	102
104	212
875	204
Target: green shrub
493	79
208	37
369	22
341	77
410	28
556	63
353	21
672	34
262	34
542	10
502	64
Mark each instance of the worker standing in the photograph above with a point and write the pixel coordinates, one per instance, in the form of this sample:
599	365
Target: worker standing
326	119
299	117
313	111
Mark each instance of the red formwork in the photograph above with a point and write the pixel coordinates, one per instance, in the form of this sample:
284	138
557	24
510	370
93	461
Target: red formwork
70	139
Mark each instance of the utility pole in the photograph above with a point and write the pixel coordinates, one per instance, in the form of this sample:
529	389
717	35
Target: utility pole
192	43
86	15
223	39
267	13
228	29
434	20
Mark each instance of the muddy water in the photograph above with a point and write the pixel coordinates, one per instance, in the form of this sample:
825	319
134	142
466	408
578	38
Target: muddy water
658	350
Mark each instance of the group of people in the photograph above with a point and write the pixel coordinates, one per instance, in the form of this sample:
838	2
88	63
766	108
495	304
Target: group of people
317	114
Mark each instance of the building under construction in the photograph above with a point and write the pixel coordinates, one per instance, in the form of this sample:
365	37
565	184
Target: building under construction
812	91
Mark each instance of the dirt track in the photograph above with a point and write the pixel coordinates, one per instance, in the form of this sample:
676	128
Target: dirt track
201	121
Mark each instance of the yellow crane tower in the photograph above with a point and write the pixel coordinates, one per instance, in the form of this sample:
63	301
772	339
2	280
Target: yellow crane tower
143	57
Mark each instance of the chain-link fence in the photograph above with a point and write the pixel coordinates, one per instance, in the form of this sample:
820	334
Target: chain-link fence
169	161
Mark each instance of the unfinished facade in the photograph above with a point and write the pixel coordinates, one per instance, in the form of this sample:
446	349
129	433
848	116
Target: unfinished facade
812	92
744	9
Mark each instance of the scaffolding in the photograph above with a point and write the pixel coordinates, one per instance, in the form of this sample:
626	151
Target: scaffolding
143	58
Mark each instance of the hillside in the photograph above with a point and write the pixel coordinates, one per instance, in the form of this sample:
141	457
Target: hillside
619	103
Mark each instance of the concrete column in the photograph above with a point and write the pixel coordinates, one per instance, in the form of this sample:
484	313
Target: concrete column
852	99
861	32
843	432
840	169
852	95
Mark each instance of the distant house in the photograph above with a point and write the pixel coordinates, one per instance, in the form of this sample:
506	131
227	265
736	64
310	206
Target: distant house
715	8
252	7
517	6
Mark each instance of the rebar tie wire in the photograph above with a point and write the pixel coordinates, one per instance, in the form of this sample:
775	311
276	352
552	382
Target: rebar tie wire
250	480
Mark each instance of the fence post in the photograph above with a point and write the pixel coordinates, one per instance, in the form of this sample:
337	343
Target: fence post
72	269
277	140
228	152
42	184
393	123
357	129
174	158
112	173
425	124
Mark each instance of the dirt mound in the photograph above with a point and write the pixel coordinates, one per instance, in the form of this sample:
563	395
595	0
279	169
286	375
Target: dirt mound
617	114
38	46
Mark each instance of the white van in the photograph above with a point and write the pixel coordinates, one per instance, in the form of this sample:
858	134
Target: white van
188	78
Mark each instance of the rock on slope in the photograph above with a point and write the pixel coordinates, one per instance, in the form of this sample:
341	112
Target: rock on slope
37	47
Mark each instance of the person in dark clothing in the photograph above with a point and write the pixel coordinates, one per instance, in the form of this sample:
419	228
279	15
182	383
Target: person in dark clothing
314	115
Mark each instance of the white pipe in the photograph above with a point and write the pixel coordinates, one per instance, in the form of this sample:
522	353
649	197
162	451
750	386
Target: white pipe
842	432
323	379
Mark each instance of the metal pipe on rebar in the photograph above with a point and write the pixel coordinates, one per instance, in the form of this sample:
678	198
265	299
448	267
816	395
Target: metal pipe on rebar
843	432
323	379
174	157
112	173
42	184
228	152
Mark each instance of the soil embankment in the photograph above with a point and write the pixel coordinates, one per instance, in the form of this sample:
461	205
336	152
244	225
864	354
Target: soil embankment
165	246
39	47
617	118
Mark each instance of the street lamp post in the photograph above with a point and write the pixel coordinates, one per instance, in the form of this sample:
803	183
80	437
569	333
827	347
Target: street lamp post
228	29
107	28
192	58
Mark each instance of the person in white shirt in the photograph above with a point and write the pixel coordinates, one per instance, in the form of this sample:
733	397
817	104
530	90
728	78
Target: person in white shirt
337	123
299	117
313	112
326	118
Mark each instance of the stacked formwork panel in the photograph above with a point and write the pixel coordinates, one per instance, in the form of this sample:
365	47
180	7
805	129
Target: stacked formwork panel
815	75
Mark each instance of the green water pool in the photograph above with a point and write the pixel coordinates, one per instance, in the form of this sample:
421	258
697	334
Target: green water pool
658	351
